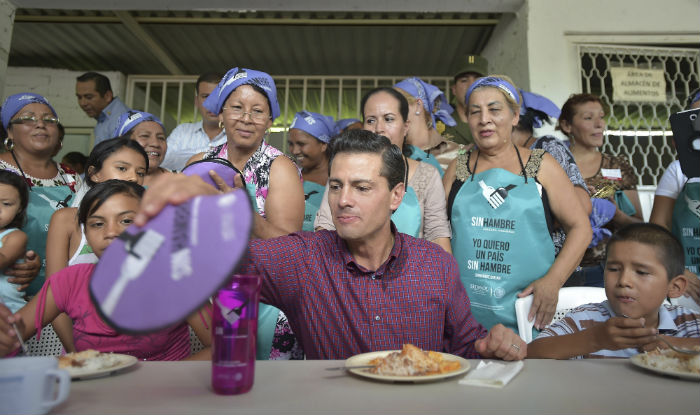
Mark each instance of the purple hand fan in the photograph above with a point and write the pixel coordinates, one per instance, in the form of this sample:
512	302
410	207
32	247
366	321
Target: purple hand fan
155	276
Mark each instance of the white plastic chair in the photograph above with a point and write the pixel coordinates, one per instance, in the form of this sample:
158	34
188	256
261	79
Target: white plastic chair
569	298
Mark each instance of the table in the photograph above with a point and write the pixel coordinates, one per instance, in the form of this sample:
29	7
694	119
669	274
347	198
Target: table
303	387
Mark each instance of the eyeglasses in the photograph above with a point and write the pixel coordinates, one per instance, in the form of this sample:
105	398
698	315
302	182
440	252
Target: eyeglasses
32	120
237	113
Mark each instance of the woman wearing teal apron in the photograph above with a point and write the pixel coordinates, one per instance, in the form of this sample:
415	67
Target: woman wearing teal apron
677	208
309	135
502	199
32	128
246	101
422	211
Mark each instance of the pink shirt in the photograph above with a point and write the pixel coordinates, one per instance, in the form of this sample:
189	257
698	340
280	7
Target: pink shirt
71	294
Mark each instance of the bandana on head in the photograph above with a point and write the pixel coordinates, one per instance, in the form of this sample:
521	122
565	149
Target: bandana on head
318	126
696	98
14	103
539	103
237	77
341	125
434	100
131	119
492	81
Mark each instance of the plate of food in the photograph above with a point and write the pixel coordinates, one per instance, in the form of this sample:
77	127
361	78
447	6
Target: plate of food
669	362
410	364
91	363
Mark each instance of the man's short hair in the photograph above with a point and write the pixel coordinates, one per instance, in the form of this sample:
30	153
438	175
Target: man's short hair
102	84
668	249
363	141
208	77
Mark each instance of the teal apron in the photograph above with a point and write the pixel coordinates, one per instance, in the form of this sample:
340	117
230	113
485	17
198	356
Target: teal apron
43	202
267	314
685	224
420	155
500	251
407	217
313	195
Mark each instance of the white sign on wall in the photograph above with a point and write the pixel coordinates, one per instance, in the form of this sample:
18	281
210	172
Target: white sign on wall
638	85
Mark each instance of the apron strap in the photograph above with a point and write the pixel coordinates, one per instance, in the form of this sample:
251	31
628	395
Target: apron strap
520	160
405	176
21	171
62	203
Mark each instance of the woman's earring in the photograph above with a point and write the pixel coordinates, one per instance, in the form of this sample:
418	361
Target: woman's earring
417	112
9	144
221	125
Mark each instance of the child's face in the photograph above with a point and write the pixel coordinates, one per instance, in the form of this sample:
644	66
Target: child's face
124	164
9	204
109	221
636	282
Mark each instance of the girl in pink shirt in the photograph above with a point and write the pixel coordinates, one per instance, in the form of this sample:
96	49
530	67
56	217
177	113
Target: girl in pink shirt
105	212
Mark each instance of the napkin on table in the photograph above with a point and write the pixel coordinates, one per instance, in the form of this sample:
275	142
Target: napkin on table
492	374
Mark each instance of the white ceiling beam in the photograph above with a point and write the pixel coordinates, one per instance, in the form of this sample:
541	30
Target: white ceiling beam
158	51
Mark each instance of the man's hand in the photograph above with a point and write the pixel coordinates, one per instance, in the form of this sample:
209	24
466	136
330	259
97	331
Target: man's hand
622	333
24	273
502	343
8	337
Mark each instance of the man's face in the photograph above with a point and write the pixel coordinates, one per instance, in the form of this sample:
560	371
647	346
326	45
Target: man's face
90	100
360	200
203	92
461	85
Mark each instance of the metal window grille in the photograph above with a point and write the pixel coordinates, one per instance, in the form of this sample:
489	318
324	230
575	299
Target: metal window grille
640	130
172	97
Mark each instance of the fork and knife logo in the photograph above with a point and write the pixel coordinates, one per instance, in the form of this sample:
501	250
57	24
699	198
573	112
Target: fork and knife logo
495	197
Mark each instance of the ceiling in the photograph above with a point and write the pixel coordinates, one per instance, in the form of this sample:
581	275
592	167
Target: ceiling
281	43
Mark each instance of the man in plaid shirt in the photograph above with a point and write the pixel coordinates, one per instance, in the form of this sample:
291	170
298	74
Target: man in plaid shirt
363	287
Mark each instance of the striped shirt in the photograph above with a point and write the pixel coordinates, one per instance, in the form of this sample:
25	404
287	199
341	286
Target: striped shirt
675	321
338	309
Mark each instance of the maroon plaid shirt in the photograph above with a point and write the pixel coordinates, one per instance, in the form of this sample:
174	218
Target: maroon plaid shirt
338	309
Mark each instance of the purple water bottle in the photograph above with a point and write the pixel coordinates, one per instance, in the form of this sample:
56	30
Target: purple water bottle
235	332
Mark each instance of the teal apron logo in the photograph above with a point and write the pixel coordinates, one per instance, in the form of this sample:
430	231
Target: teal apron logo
685	225
495	197
313	196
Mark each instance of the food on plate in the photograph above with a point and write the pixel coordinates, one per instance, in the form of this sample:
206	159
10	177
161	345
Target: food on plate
88	360
412	361
668	359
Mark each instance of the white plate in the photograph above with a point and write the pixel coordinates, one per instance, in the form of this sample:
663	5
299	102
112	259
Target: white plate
365	358
122	362
638	361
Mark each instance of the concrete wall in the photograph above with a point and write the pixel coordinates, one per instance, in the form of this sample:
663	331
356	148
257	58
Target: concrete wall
507	50
58	86
555	27
7	18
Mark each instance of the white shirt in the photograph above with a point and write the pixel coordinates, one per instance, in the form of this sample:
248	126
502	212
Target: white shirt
185	141
674	321
673	180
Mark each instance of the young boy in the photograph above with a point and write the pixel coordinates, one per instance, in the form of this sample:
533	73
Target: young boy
644	266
